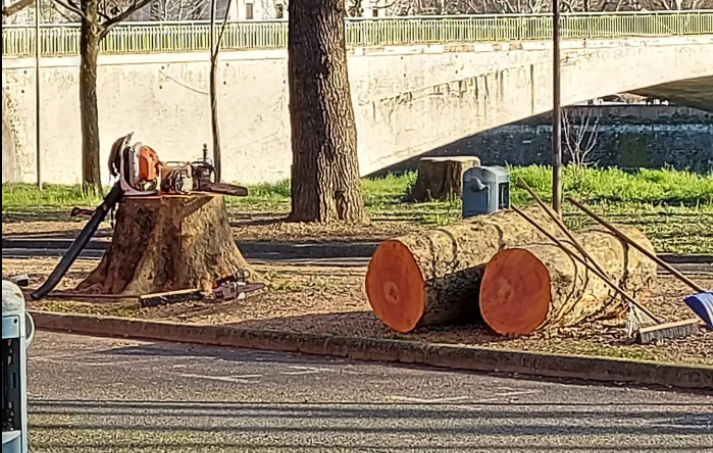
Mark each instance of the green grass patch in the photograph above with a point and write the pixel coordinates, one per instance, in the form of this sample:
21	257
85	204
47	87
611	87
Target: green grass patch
674	208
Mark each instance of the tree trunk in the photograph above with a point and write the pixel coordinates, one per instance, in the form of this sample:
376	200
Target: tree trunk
430	278
441	178
167	243
88	103
540	287
326	181
214	118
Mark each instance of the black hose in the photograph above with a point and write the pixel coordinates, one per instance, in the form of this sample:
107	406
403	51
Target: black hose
80	243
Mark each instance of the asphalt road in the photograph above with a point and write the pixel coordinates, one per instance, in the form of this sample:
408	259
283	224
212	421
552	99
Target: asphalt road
91	395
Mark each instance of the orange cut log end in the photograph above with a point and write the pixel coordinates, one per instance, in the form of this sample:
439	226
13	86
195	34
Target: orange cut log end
395	287
516	293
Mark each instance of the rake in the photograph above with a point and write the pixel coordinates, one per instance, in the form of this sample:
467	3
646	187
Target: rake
652	328
701	303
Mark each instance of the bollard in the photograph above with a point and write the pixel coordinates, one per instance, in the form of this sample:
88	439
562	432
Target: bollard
17	333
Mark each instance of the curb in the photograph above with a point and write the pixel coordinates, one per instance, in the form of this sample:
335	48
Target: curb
306	250
464	358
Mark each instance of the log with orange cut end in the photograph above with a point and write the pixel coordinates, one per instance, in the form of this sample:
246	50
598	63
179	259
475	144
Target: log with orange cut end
540	286
433	278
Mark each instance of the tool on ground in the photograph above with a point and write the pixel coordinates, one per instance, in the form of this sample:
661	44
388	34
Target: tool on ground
699	303
639	316
138	172
665	330
234	287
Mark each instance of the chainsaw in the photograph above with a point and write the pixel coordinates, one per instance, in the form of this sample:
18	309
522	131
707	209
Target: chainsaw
142	173
138	172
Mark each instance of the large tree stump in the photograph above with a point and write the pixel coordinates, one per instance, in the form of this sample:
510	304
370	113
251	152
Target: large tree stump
441	178
429	278
167	243
541	287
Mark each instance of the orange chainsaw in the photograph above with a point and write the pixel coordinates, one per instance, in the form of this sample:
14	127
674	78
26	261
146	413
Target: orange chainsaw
142	173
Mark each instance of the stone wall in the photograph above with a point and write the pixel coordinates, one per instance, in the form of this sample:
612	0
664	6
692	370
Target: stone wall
631	136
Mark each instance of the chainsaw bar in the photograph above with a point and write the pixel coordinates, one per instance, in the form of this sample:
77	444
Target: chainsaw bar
223	189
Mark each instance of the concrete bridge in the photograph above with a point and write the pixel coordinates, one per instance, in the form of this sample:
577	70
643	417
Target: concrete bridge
408	99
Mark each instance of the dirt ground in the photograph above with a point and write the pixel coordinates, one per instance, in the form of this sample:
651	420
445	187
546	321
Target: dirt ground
327	300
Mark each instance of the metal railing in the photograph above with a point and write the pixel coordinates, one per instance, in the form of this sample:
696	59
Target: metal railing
165	37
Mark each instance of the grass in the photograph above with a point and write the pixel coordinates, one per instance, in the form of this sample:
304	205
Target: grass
674	208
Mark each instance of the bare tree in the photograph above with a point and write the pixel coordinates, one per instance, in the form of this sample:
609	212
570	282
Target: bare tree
177	10
13	8
523	6
216	43
580	133
97	18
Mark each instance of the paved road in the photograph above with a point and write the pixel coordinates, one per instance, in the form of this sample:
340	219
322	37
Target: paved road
98	395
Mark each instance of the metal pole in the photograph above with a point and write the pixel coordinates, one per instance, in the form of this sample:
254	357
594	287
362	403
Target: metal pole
557	111
38	51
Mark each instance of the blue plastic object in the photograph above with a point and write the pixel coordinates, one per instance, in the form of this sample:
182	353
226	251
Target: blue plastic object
485	190
702	306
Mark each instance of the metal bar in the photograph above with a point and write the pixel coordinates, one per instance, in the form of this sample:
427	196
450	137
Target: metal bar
38	97
558	220
556	109
148	37
638	247
584	263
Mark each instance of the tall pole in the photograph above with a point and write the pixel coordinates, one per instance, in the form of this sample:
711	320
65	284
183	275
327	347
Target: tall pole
38	98
557	196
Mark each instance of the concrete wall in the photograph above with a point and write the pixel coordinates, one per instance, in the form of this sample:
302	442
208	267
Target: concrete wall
408	101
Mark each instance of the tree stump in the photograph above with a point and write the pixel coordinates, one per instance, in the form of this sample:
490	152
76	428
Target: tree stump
167	243
429	278
540	287
441	178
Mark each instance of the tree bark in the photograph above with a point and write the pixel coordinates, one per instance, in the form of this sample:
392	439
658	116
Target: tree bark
167	243
441	178
431	278
214	117
541	287
326	183
88	102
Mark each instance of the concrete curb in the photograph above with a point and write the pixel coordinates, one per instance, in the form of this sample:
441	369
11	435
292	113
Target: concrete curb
394	351
307	250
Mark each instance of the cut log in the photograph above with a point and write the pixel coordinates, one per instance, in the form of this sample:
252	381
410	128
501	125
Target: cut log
441	178
167	243
541	287
429	278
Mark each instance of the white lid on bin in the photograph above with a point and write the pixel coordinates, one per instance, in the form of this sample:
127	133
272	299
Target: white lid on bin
13	301
487	174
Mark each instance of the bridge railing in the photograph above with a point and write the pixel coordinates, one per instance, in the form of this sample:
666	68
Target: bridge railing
167	37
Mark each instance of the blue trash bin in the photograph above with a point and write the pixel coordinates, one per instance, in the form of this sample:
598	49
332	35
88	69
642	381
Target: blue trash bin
17	333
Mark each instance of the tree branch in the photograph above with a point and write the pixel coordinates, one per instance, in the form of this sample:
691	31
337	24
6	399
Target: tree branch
15	8
114	21
219	41
70	6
